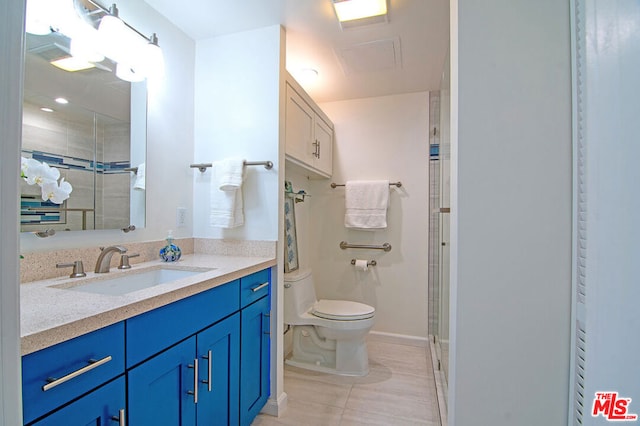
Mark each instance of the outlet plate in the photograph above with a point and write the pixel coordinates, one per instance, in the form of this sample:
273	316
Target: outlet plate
181	217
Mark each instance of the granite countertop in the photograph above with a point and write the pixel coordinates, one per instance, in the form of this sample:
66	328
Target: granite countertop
51	311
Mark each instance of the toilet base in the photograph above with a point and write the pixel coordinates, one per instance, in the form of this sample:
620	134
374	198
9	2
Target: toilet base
316	353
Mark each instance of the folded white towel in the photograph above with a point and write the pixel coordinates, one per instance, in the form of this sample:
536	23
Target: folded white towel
140	182
366	204
229	174
226	209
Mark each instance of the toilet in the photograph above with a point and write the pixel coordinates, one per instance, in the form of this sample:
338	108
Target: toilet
328	335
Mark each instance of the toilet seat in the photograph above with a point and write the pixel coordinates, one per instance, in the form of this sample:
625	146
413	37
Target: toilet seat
342	310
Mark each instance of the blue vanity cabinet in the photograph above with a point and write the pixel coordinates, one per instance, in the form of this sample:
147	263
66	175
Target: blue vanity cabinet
158	389
218	351
255	345
191	383
57	375
103	406
183	361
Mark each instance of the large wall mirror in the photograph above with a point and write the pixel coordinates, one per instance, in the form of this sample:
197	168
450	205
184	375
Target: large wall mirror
91	126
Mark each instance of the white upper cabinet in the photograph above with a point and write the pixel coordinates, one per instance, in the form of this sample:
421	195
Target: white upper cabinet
308	133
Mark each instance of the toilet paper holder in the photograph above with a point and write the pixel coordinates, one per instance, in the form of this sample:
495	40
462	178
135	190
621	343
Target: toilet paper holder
369	262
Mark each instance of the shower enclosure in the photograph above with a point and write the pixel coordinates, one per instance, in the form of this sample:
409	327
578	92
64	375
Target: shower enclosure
439	209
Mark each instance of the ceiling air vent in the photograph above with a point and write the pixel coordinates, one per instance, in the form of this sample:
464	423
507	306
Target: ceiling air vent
373	56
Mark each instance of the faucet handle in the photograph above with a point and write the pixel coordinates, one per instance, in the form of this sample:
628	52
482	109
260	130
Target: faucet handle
124	260
78	268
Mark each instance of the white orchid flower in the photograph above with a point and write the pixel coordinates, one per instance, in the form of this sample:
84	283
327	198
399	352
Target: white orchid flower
39	173
27	164
56	194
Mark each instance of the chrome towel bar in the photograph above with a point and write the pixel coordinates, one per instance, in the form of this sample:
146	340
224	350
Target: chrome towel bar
334	185
203	166
345	245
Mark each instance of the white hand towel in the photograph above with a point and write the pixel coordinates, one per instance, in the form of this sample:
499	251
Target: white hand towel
226	205
140	177
366	204
230	174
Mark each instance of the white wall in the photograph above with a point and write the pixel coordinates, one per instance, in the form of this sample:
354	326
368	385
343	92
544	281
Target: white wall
511	212
608	312
376	138
11	44
237	115
170	124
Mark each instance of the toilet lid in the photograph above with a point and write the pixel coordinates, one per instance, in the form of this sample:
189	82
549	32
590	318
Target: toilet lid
342	310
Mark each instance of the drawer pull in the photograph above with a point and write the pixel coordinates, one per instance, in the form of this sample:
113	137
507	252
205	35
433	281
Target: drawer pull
53	382
120	418
260	287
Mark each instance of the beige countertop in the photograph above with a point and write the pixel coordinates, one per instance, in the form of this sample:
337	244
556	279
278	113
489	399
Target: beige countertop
51	311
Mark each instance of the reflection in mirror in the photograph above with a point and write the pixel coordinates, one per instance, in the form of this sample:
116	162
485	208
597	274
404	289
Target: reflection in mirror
91	139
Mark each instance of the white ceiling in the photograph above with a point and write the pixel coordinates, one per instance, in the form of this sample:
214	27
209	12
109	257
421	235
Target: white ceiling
404	55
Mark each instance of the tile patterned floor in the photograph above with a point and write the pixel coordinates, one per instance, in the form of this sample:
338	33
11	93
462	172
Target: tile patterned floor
399	390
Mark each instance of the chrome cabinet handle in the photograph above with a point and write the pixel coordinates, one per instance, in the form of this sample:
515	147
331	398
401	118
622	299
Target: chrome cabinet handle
208	357
260	287
194	392
52	382
120	418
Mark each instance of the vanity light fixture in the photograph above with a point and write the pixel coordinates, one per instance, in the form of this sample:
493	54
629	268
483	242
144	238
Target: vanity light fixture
95	33
354	10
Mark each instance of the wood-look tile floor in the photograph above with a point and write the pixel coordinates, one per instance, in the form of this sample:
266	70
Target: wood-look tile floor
399	390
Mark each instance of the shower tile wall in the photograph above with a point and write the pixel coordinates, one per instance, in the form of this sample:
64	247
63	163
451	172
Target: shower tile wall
71	142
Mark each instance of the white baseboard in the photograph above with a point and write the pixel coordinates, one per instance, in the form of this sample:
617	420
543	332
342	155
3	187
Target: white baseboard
275	406
399	339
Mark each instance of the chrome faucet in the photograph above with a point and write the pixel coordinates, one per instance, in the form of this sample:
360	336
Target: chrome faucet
104	260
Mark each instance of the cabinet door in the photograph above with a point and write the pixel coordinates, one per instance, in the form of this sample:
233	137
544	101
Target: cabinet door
219	359
254	360
299	128
104	406
160	390
324	139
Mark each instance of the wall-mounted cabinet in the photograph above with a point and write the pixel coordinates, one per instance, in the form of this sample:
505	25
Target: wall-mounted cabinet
308	133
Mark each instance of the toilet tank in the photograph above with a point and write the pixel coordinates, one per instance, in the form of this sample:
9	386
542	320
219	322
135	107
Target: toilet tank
299	294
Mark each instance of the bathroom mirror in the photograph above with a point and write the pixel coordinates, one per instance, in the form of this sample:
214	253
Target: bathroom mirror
96	139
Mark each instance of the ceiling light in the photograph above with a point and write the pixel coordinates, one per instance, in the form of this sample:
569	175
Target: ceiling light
45	109
350	10
72	64
307	76
62	101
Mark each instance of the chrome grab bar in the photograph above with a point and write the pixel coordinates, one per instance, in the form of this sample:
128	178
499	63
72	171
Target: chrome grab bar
204	166
334	185
52	382
345	245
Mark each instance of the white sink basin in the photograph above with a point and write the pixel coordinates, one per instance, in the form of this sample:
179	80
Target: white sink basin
131	281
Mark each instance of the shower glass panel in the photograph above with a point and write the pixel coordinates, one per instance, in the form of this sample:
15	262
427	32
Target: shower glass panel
439	213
